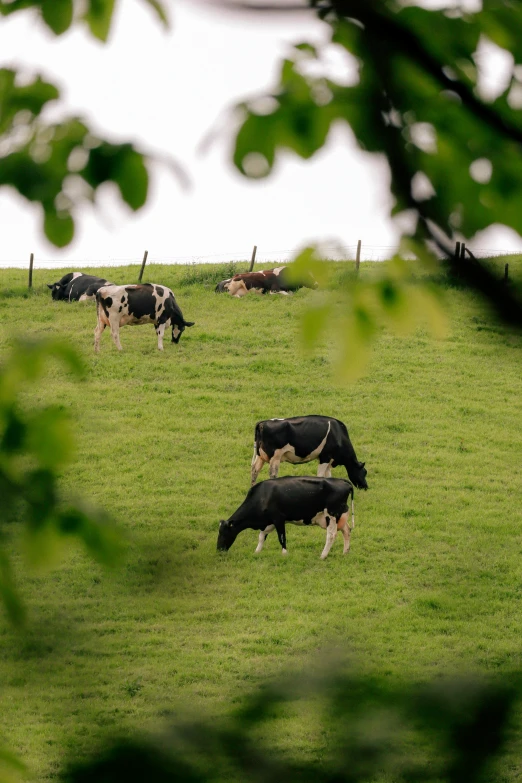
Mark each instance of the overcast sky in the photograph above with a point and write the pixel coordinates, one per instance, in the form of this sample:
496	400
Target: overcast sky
165	90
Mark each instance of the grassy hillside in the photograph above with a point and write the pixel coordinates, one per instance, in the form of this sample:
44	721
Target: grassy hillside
432	583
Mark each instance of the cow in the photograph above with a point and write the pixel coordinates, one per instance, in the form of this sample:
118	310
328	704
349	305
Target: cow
258	282
76	286
303	439
300	500
273	281
118	305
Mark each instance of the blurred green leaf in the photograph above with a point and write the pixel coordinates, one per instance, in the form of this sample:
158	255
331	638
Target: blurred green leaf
132	178
58	14
59	229
99	17
50	438
34	445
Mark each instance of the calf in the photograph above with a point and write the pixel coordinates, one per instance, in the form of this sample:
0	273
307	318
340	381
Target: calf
303	439
300	500
76	286
118	305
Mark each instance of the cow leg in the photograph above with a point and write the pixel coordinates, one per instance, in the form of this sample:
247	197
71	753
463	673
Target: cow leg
325	469
331	532
274	466
97	335
262	536
257	464
281	534
115	331
160	331
344	527
322	469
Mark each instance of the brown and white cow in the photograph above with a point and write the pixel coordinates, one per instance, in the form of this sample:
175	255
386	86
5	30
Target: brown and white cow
118	305
273	281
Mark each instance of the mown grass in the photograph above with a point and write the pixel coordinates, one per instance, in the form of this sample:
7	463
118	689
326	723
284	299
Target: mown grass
432	584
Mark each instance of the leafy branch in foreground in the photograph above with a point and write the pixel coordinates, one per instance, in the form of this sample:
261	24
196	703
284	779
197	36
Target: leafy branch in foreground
396	297
35	443
415	95
448	731
61	165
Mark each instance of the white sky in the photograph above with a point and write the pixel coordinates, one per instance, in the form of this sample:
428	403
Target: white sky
165	90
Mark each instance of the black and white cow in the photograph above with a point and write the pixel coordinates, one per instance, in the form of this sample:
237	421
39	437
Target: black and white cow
76	286
118	305
300	500
303	439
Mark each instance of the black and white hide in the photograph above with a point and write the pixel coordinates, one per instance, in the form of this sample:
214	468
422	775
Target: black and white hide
119	305
299	500
303	439
76	286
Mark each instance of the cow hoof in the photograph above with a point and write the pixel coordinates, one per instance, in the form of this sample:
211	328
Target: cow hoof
284	552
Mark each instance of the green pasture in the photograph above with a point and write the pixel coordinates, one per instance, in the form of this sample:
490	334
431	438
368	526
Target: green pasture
433	582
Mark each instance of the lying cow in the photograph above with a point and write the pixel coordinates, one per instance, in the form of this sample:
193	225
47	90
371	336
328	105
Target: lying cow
118	305
303	439
273	281
258	282
76	286
300	500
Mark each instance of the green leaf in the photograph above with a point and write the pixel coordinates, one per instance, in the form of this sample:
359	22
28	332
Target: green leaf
95	530
58	14
59	229
308	261
99	17
132	178
159	8
49	437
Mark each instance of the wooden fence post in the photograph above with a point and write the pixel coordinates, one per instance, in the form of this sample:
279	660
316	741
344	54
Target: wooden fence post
457	250
253	259
506	274
31	259
358	256
143	265
463	251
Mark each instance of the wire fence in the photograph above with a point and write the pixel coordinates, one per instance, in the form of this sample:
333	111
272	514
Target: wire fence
334	253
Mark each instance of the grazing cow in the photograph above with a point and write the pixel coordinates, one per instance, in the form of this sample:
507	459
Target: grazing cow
76	286
300	500
273	281
303	439
118	305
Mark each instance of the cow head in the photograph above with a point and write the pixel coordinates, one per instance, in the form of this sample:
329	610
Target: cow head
57	290
178	328
226	536
357	475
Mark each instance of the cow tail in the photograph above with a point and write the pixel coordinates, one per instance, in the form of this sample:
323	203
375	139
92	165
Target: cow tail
353	507
257	437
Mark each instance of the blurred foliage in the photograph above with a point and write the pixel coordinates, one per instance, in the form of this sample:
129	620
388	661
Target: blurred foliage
59	15
61	165
399	299
35	444
456	730
410	88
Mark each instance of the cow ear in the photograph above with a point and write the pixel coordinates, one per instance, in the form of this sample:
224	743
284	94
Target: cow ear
363	464
189	323
50	285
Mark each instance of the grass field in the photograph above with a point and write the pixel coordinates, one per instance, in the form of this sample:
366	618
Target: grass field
433	583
